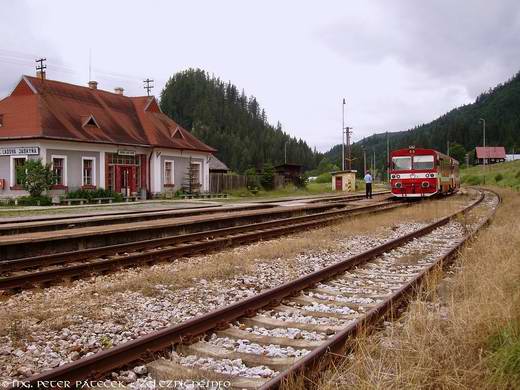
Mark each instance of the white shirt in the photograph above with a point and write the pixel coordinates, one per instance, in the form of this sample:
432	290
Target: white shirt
368	178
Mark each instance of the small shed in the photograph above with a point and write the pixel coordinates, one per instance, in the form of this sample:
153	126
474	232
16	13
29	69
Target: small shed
344	180
290	172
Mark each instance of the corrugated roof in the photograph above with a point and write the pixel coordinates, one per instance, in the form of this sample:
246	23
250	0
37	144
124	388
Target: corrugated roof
57	110
491	152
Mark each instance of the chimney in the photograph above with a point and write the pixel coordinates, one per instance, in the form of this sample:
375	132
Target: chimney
40	74
92	84
119	90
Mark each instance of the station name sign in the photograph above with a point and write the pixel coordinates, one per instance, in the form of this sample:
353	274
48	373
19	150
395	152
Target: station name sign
123	152
20	151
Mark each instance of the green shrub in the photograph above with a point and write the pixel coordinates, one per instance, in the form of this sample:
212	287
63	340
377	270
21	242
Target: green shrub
34	200
267	178
473	180
324	178
499	177
517	176
91	194
35	177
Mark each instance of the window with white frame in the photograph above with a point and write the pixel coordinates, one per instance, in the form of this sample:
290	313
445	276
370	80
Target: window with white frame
59	167
88	171
168	173
16	163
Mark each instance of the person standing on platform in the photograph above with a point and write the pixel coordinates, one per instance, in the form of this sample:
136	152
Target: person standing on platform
368	185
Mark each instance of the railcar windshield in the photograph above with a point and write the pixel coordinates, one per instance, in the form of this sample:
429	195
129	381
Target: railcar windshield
402	163
422	162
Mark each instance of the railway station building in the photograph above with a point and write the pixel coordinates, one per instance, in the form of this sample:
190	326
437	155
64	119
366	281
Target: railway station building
96	139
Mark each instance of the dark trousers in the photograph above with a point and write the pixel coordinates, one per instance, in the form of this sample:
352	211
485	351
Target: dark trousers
368	190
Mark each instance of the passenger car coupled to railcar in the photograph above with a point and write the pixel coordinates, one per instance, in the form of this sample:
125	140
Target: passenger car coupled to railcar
416	173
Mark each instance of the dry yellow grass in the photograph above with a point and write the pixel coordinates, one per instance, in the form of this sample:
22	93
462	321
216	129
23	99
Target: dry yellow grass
463	334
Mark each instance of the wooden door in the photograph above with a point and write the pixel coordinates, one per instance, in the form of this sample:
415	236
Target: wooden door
339	183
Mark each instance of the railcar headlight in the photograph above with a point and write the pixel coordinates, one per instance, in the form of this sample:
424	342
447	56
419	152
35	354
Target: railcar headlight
425	184
398	184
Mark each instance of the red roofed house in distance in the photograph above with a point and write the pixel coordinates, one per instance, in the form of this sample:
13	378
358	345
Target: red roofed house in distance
95	139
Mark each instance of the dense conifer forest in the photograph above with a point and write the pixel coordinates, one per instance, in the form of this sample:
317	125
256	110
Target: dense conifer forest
224	117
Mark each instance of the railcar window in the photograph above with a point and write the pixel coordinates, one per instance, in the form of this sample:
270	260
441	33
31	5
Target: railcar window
402	163
423	162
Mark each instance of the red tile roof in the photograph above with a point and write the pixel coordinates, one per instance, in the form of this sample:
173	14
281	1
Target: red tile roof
491	152
56	110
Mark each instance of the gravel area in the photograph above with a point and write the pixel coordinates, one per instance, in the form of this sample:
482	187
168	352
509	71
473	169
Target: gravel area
247	346
291	333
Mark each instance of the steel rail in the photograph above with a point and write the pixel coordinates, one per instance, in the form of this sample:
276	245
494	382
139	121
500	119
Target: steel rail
103	362
195	243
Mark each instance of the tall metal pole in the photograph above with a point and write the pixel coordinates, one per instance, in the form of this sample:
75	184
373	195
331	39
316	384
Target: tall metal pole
343	136
349	155
374	163
387	157
364	162
484	139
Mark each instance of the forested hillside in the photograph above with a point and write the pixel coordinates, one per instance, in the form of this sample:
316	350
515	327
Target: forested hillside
500	107
225	118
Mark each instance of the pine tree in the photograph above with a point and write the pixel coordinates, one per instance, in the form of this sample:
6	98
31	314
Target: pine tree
192	183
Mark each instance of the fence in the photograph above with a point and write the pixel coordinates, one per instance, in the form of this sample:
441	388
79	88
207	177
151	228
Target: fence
222	182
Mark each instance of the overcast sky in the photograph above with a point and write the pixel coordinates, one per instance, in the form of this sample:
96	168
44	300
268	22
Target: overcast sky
398	63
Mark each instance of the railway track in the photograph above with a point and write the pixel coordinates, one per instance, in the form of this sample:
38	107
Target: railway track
45	269
47	242
263	340
11	226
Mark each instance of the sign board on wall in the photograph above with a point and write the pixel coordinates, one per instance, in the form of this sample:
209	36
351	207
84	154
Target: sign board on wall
123	152
20	151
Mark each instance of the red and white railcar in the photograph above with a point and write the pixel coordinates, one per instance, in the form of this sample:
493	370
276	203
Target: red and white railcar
418	173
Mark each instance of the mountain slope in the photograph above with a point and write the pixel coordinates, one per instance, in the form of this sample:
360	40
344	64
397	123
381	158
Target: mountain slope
236	125
500	107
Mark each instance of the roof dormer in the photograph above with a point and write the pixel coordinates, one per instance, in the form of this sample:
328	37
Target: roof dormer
89	121
176	133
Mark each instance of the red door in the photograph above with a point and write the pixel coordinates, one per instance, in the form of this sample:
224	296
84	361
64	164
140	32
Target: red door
339	183
125	179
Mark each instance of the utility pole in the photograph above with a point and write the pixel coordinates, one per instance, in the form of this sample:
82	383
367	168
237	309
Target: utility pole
343	137
484	139
348	133
41	68
448	147
374	162
148	87
484	142
285	150
387	157
364	161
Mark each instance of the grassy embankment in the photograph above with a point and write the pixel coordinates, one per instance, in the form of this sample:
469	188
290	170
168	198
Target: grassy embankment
464	332
503	175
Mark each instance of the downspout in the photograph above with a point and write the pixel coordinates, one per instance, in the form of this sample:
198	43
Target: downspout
150	174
